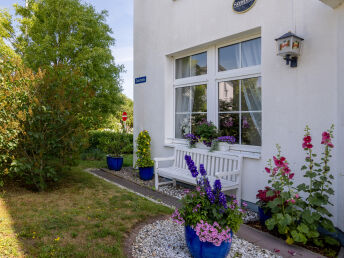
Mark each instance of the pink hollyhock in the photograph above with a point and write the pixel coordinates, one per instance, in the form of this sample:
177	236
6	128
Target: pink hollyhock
297	196
291	175
307	139
286	170
279	162
268	170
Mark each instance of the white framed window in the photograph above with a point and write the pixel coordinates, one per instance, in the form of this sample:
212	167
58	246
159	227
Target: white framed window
222	84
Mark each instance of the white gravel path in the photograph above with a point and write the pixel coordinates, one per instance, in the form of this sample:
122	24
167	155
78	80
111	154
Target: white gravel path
165	239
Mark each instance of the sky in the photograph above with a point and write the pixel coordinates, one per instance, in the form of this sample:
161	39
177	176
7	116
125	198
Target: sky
120	19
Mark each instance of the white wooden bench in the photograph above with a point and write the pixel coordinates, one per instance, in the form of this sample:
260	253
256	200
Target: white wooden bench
218	166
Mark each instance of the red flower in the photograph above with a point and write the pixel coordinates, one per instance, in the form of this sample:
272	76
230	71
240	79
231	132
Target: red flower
307	139
291	175
268	170
279	162
286	170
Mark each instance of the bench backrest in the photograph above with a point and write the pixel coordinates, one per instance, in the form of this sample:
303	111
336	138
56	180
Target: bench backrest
213	162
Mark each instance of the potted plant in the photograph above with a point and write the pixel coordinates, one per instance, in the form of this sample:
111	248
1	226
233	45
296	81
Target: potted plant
209	218
206	132
227	139
113	145
144	161
192	139
263	200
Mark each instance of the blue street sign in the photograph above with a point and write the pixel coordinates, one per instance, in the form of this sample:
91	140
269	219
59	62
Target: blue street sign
140	80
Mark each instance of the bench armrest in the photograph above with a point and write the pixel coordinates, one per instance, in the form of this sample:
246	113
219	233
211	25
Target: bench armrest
231	173
163	159
157	160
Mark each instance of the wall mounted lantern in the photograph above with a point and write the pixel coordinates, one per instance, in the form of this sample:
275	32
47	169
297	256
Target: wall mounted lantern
289	46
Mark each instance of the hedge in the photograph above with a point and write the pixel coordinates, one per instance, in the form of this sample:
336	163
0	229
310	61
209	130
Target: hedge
96	136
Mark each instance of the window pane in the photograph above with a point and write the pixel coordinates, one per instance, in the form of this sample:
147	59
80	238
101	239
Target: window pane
199	64
183	67
196	119
251	52
251	94
229	96
251	129
229	125
183	99
182	125
229	58
199	100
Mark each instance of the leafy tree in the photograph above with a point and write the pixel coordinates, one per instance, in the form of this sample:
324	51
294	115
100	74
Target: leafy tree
68	32
114	121
6	33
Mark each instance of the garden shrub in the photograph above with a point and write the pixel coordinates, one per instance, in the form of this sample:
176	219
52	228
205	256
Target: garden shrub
97	140
54	132
41	130
16	97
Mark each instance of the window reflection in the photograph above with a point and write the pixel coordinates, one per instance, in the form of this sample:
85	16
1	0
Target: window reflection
229	96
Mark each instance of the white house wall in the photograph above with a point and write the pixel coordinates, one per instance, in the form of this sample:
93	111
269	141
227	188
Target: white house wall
291	97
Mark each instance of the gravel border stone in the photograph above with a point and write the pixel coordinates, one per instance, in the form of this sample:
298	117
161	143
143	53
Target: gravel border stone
164	238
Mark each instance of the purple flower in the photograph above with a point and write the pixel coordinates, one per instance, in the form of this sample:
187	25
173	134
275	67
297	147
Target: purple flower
193	139
245	123
202	170
191	166
227	139
217	186
223	200
210	194
229	122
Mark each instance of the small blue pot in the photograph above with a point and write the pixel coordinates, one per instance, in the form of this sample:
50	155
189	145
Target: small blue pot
114	163
146	173
263	216
199	249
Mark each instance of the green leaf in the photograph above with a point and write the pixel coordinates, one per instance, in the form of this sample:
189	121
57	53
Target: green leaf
331	241
270	223
303	228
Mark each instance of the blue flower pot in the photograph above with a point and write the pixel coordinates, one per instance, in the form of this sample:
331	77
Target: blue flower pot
146	173
263	216
114	163
199	249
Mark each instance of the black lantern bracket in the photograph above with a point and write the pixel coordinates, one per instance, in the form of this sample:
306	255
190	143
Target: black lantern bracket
292	60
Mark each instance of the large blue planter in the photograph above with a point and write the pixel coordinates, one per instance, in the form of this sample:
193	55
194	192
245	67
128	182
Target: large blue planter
264	216
199	249
146	173
114	163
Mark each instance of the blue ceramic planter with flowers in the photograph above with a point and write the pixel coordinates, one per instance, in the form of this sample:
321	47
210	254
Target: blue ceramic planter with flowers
199	249
263	216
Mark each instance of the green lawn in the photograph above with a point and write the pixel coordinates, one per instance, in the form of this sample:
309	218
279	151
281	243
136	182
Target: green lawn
83	216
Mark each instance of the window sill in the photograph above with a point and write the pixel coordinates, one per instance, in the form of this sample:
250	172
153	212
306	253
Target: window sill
251	152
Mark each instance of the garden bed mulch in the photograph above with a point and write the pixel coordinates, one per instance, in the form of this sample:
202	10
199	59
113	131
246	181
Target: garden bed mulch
131	237
326	252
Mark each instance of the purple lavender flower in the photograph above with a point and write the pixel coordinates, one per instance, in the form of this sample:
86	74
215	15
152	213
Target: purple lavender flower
202	170
227	139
